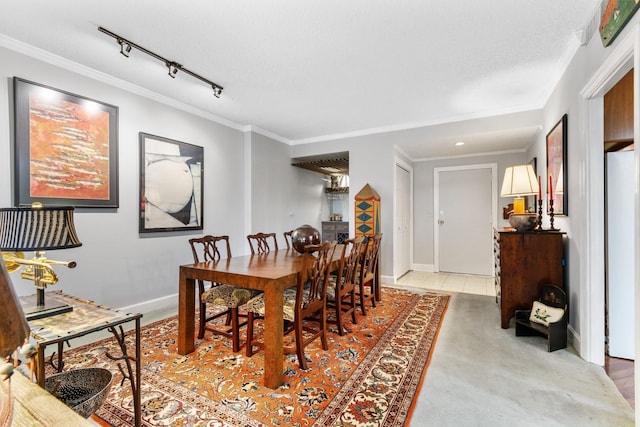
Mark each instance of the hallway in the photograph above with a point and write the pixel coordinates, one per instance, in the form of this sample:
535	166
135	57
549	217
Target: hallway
449	282
619	370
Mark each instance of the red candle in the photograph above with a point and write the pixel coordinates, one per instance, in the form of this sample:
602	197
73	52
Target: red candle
539	189
550	188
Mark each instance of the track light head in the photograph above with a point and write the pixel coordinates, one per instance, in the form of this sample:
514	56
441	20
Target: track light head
173	69
125	48
217	90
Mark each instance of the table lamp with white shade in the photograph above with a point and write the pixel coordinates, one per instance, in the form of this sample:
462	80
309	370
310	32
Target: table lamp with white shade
520	181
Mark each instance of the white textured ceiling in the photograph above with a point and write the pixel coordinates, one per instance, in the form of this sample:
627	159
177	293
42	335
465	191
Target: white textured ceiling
310	70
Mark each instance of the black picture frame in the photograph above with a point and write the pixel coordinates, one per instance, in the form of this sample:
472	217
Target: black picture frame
557	167
65	148
171	185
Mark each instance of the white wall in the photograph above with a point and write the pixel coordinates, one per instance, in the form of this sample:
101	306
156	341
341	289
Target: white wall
283	197
117	266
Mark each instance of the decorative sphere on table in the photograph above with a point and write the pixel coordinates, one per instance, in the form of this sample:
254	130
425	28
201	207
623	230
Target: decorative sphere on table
304	235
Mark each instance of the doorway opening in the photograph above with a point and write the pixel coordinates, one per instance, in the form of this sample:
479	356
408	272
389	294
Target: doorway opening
403	219
619	224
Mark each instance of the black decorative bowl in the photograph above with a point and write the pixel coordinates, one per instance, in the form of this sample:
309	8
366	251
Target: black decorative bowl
83	390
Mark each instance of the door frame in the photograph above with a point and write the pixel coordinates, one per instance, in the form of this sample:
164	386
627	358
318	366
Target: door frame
436	204
591	314
626	55
398	162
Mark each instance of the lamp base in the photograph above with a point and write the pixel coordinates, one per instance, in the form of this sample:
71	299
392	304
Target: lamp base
33	311
523	222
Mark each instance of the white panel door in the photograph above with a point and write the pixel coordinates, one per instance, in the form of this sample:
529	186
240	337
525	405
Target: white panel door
403	221
620	254
465	221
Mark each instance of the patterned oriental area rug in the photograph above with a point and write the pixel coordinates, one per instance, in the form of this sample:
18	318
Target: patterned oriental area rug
369	377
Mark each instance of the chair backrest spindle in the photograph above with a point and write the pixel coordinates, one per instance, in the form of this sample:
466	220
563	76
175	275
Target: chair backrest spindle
314	276
259	243
287	238
209	249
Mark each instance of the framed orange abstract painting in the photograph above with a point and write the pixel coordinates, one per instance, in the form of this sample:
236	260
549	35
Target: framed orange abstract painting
66	148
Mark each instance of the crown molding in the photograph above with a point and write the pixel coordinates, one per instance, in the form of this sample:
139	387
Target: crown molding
58	61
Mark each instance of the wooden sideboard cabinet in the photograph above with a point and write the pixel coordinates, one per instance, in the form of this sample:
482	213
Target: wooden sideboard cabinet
524	262
335	230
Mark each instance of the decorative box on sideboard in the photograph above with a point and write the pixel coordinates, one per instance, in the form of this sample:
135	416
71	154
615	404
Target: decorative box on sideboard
335	230
524	262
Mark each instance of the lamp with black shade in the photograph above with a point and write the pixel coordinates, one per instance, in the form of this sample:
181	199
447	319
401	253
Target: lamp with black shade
38	229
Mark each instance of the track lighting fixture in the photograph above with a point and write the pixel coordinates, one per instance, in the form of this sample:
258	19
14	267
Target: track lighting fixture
174	67
125	47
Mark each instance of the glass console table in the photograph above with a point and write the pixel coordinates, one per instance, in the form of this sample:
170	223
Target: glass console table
85	318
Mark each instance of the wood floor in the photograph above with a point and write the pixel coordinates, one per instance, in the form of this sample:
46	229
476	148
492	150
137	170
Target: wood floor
621	372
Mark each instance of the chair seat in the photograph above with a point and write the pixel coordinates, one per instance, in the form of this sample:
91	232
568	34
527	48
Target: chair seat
228	295
331	287
256	304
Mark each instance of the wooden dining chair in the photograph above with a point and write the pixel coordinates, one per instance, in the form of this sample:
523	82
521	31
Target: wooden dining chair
341	292
287	238
259	243
208	248
305	305
368	280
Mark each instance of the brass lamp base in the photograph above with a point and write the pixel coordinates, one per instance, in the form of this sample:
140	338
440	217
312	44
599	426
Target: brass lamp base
32	310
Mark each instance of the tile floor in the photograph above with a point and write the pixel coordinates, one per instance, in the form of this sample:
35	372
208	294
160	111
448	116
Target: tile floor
465	283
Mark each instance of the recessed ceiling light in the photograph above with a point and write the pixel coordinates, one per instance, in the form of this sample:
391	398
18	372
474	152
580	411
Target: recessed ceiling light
459	144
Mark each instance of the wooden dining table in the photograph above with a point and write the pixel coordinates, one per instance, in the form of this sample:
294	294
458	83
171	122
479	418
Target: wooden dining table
270	273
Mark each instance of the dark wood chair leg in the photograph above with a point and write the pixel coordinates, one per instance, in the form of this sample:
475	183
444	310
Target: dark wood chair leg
203	320
323	333
362	301
249	343
338	308
353	306
302	361
235	329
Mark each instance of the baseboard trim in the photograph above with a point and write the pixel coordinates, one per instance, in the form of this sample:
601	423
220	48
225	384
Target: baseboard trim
573	339
152	305
424	267
387	280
